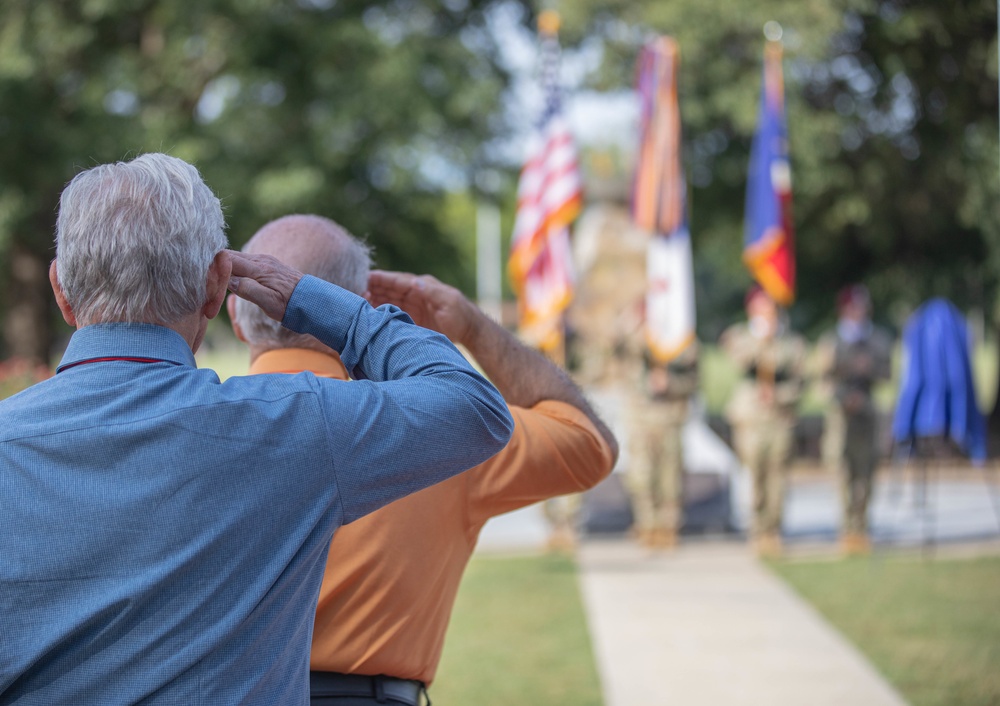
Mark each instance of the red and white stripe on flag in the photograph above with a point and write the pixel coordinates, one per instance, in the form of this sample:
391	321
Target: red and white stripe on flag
549	197
548	290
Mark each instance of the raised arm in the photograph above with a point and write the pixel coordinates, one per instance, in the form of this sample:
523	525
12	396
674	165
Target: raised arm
430	415
263	280
524	376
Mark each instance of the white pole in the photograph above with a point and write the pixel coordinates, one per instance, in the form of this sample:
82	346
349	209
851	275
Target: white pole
488	259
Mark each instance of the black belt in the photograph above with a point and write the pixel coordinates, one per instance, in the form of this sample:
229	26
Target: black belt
779	375
378	688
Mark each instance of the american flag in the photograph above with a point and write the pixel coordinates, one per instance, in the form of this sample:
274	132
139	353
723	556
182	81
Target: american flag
549	197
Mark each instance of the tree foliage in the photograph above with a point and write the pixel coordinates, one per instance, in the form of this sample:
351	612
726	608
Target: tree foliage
371	112
363	112
892	110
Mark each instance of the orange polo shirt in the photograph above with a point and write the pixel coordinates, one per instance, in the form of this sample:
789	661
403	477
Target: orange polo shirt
391	577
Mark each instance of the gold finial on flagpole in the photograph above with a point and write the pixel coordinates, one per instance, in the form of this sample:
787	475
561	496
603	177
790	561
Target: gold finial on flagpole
548	22
773	31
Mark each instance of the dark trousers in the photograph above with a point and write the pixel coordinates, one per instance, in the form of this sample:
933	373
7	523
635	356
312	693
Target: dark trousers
351	701
330	689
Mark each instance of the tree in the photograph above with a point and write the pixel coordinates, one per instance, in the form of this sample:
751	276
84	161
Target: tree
892	110
911	205
360	111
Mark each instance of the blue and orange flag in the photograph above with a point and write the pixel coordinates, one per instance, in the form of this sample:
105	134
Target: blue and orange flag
658	188
769	240
658	204
549	198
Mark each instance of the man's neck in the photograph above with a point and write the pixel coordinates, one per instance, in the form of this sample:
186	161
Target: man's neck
257	350
297	360
191	328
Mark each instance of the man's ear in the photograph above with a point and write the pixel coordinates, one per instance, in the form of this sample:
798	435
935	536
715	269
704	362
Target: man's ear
231	308
64	306
217	284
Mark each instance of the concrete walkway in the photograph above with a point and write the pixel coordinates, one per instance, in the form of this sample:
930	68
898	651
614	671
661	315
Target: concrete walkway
708	624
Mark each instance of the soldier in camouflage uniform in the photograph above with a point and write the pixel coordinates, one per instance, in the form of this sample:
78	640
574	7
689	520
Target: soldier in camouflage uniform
762	410
610	261
657	412
853	358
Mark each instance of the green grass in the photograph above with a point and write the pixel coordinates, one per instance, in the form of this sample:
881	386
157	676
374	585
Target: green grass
931	627
518	636
222	352
984	368
718	376
225	361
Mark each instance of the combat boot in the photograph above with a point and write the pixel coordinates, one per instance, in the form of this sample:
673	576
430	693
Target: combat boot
855	544
562	540
661	539
768	545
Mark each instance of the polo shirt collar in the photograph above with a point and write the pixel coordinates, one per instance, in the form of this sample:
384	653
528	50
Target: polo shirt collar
296	360
127	340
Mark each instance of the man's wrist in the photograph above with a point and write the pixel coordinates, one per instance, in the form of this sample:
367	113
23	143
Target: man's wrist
476	329
323	310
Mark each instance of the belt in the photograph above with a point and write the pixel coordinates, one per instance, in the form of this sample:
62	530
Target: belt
378	688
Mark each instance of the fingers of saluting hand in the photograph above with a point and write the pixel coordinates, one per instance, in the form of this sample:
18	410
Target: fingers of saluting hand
385	286
399	288
428	301
263	280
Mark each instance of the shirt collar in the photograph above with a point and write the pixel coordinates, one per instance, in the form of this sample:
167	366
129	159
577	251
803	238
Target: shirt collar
296	360
128	340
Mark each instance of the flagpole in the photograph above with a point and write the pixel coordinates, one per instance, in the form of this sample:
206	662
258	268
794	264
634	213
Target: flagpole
548	24
769	233
488	259
550	195
773	32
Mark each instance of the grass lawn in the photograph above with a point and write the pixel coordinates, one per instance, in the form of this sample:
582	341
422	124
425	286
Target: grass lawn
518	636
931	627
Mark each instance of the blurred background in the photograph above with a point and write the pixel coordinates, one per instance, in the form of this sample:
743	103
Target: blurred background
398	118
408	122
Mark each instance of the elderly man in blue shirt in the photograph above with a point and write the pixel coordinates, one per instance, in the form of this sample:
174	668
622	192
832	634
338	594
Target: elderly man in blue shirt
163	534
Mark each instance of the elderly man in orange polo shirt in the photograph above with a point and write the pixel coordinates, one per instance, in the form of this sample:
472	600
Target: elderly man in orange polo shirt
391	577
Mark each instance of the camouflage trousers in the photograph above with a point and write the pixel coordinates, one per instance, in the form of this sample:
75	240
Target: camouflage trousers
765	449
563	512
655	477
856	439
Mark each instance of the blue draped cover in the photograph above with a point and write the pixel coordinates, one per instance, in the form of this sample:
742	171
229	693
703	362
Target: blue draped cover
937	397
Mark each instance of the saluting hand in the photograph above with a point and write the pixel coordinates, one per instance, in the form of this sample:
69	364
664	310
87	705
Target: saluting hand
429	302
263	280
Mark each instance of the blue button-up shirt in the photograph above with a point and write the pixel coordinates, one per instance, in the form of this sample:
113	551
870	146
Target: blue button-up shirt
163	534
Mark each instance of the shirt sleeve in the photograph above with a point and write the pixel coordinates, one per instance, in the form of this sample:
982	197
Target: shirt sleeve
418	413
555	450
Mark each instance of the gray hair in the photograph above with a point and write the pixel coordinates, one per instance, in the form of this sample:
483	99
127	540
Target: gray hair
134	240
315	246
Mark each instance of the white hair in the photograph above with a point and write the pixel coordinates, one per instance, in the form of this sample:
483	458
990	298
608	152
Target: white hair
315	246
134	240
